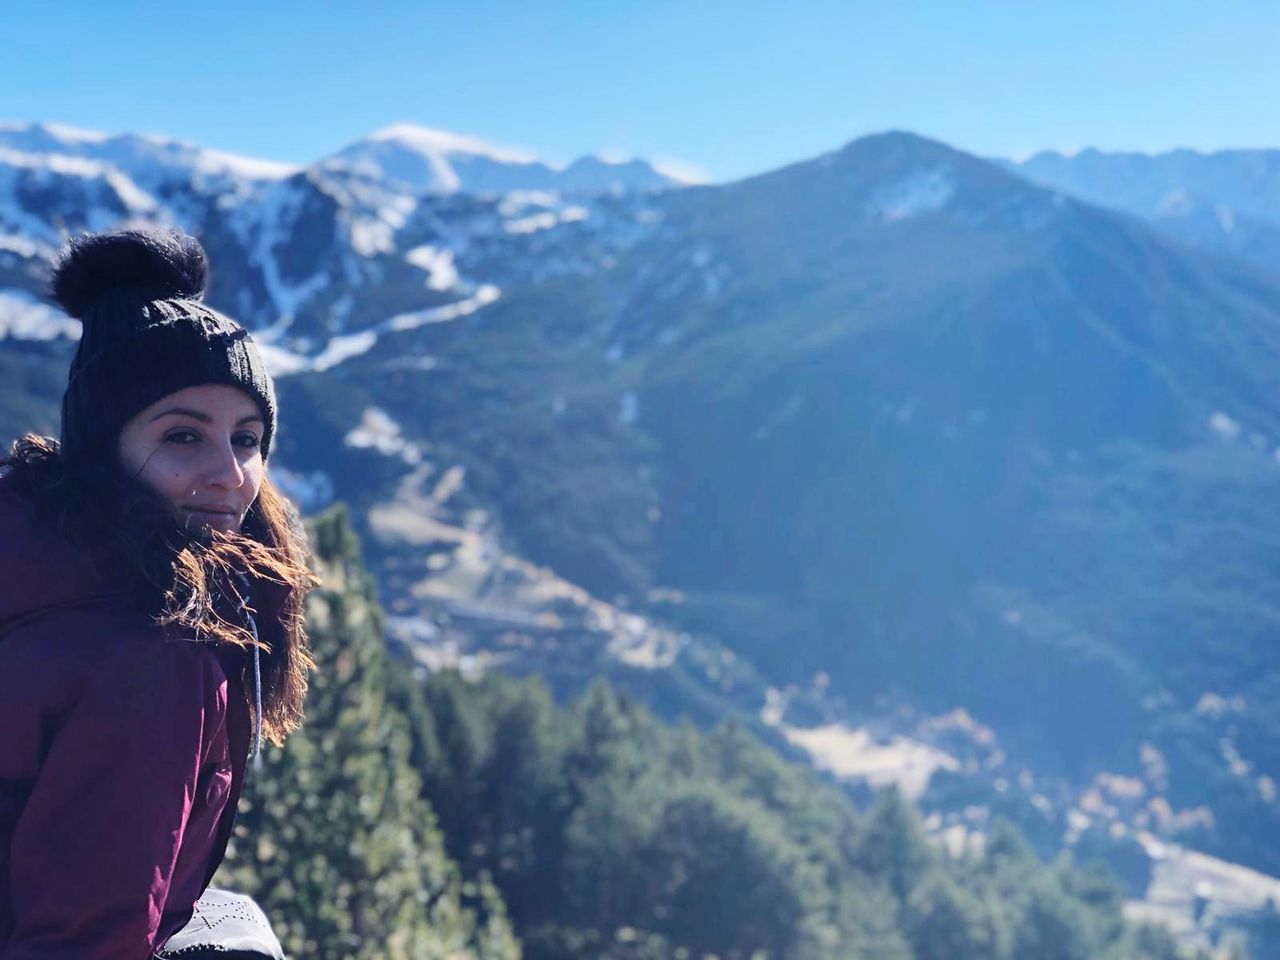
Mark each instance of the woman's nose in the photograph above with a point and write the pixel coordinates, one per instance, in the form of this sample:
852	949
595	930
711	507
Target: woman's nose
226	471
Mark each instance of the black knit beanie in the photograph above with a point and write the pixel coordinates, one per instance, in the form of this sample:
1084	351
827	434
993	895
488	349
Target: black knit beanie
146	334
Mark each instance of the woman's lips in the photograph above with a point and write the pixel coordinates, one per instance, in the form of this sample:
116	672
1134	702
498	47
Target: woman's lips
220	518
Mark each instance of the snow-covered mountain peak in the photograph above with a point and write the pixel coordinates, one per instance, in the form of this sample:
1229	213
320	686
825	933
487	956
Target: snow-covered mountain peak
233	164
425	160
428	140
595	173
46	137
55	133
133	153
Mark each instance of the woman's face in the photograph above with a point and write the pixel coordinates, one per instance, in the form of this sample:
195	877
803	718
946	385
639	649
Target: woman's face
199	449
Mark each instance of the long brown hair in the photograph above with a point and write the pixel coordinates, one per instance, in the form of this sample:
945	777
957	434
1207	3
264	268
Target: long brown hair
181	578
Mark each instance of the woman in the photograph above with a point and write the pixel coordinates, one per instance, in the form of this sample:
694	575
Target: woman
151	585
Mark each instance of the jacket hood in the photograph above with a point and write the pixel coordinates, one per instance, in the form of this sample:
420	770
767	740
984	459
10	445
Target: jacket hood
42	572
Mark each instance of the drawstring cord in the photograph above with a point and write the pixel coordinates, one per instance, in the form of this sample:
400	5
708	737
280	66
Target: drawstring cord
242	597
257	674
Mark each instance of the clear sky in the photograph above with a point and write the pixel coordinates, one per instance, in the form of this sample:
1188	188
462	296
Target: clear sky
731	87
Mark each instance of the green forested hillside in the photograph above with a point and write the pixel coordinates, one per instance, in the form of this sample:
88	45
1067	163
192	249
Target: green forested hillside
448	817
611	834
334	838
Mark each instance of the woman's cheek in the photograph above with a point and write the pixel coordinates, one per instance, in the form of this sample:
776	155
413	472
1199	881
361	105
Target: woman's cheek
171	480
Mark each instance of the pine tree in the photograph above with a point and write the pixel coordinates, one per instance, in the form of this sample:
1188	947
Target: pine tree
892	846
334	839
729	882
944	921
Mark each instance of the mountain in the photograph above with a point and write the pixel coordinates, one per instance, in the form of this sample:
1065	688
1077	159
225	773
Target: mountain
149	159
55	180
901	459
1224	201
895	418
420	159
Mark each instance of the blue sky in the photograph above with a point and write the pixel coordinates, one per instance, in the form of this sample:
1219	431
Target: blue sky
731	87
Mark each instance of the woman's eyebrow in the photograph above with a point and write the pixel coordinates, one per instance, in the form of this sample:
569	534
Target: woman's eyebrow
202	417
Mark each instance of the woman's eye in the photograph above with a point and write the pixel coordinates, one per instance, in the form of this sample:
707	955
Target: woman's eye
248	440
181	436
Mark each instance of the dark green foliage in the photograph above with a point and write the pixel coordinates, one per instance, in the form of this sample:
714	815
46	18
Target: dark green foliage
943	920
445	818
334	838
613	835
1124	857
724	866
892	846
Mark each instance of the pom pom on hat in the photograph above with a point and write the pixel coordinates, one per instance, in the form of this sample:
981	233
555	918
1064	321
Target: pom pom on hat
149	265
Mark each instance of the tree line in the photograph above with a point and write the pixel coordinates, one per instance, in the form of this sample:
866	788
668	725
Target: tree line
438	816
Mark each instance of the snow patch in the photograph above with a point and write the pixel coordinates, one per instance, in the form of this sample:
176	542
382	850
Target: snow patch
775	707
517	201
532	223
438	263
373	230
638	644
377	431
545	220
55	162
1217	706
425	362
12	243
130	194
273	216
24	317
484	296
283	362
370	237
913	195
853	754
344	348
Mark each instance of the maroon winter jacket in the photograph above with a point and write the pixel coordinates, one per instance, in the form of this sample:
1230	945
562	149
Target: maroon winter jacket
122	754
